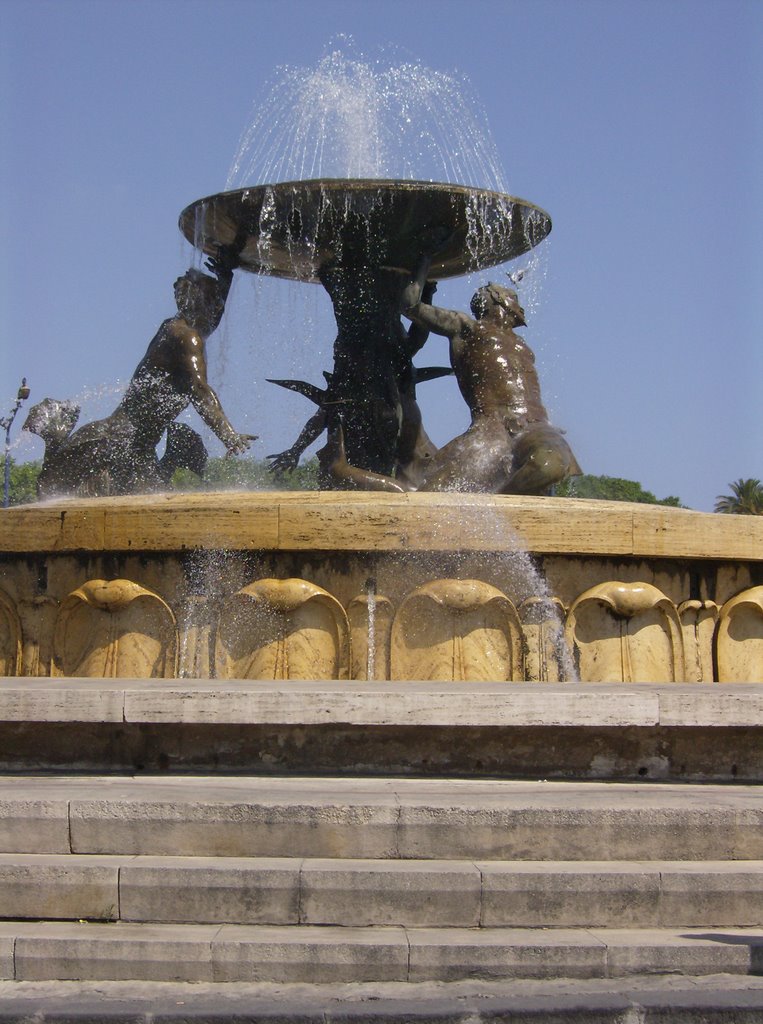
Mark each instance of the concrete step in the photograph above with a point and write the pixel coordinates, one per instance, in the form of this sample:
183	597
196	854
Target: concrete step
540	730
47	950
414	893
379	818
637	999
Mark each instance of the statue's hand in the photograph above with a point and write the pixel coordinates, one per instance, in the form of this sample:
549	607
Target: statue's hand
283	462
427	292
224	262
239	443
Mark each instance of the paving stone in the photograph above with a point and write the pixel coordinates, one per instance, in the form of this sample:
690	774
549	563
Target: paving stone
259	826
582	821
207	889
358	892
7	969
447	954
32	823
569	894
59	886
311	955
708	893
114	952
682	951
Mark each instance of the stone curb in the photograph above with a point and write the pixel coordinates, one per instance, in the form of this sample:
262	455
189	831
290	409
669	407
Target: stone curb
424	893
232	953
220	702
379	818
721	999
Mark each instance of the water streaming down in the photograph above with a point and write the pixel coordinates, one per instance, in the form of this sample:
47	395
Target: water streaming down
371	607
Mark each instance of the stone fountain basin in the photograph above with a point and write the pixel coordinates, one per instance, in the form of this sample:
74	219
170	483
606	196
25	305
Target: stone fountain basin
291	229
337	585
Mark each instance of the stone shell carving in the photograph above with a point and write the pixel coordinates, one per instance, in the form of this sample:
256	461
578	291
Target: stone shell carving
10	638
282	629
446	629
626	632
110	629
457	630
739	638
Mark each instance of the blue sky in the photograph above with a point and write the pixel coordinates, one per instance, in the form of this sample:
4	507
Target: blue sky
637	125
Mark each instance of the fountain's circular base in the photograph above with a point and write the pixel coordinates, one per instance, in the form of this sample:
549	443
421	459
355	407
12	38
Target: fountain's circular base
371	586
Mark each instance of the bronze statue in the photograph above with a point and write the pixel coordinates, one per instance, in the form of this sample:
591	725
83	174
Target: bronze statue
117	455
413	449
361	239
510	446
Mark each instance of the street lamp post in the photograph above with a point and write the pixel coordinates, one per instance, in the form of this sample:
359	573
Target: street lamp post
6	422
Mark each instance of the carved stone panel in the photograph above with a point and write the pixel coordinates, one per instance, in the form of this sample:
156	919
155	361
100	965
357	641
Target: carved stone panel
282	629
370	618
698	619
739	639
626	632
10	638
547	659
115	629
457	630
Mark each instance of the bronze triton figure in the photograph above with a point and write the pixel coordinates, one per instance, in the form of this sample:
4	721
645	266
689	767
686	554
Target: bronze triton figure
117	455
510	446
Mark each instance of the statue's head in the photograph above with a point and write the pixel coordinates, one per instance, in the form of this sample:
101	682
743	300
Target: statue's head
497	299
198	297
52	419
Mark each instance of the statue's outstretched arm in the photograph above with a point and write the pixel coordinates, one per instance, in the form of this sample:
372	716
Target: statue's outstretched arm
204	397
207	404
426	317
447	322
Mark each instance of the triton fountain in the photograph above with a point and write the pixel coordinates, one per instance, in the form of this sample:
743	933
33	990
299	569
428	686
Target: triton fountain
334	737
421	584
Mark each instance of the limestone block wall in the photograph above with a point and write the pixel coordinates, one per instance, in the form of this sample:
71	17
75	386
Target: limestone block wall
401	589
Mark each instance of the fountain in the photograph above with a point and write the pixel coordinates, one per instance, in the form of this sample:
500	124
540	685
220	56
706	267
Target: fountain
344	584
226	648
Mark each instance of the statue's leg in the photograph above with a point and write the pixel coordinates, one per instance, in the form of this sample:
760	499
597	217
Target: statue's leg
541	459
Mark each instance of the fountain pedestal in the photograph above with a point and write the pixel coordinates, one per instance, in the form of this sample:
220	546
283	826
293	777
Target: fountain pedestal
332	585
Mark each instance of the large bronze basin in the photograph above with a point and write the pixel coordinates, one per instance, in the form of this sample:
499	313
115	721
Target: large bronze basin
292	229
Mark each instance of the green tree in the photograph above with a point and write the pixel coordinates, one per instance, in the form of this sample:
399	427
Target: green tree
223	474
23	482
611	488
746	499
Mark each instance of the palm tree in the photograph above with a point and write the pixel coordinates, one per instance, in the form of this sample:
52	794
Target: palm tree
746	499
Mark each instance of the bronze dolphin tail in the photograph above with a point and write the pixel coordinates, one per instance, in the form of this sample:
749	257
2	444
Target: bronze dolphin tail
302	387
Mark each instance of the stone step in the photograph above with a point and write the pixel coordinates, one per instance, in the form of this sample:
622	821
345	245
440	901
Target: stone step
414	893
637	999
541	730
380	818
48	950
